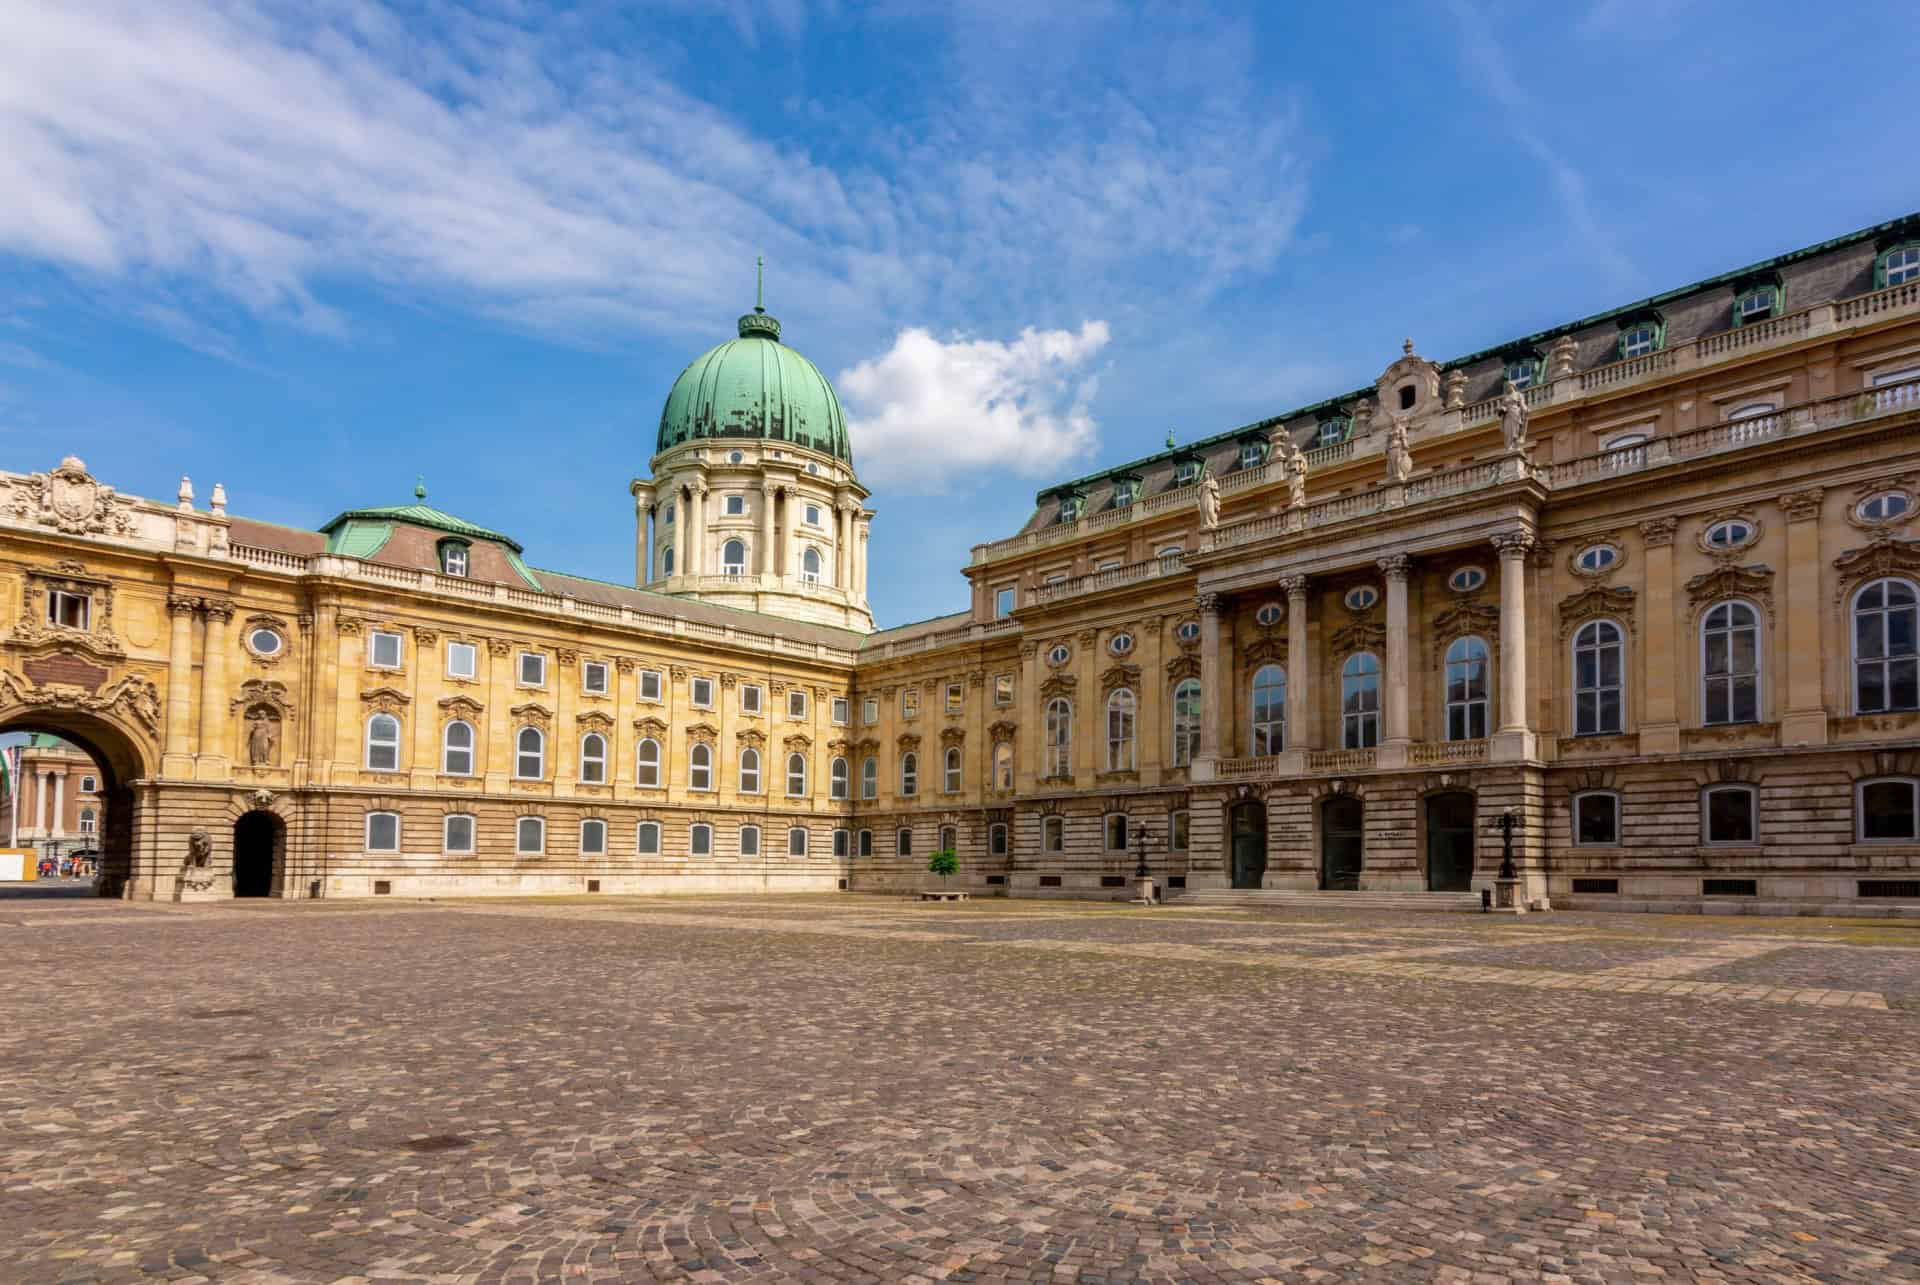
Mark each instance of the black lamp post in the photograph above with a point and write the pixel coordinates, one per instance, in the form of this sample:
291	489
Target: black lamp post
1506	823
1140	846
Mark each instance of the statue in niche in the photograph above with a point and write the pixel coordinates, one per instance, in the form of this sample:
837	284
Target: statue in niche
1209	502
1513	419
263	737
1399	456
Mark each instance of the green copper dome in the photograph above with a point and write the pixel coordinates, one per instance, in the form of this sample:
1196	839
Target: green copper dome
755	386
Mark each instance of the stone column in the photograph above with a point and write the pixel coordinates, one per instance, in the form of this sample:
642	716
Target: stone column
788	507
1396	567
1653	659
1804	721
1515	738
495	753
843	546
682	519
642	551
43	799
1302	678
1211	681
177	755
59	804
211	763
699	537
768	566
860	531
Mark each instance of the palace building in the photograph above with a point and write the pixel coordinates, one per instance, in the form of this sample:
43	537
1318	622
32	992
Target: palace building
1645	582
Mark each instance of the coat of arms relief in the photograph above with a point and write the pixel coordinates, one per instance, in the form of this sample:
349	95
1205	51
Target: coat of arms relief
69	500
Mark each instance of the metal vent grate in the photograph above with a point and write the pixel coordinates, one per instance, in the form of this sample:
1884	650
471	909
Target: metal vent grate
381	887
996	879
1729	887
1890	887
1049	881
1596	885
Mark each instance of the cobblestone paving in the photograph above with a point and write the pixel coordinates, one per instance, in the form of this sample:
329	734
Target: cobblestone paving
841	1089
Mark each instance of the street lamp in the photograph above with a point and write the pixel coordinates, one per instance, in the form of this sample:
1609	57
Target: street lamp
1506	885
1142	880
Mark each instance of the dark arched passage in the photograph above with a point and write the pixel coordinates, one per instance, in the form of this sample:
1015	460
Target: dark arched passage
259	845
121	762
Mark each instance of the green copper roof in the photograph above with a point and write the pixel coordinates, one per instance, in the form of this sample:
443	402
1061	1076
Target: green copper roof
360	532
755	387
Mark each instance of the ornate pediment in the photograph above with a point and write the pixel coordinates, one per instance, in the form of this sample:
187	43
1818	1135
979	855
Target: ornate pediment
133	695
750	736
1058	685
1117	676
798	743
34	628
532	712
1183	666
261	693
705	733
1265	650
69	500
1358	635
867	745
839	746
1591	604
1468	618
598	720
388	700
1003	730
650	727
907	742
1883	557
1728	581
952	736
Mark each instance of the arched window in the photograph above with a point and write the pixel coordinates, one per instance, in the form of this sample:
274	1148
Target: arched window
700	840
1599	679
749	840
88	821
456	833
593	838
700	766
1003	766
997	840
1269	710
810	566
733	558
1120	710
646	840
1186	721
837	778
797	841
870	777
903	842
1888	810
1730	664
1059	738
1360	702
383	743
1053	834
530	836
1466	690
649	758
749	771
909	774
456	749
530	754
950	781
666	561
383	832
593	759
1886	633
949	839
796	774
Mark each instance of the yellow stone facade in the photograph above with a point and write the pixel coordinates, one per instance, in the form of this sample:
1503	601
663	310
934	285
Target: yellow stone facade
272	709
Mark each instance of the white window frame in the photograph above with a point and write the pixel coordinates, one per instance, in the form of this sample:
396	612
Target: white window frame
1612	556
588	669
1003	690
732	566
1860	809
1470	707
371	744
700	767
748	776
700	839
870	777
472	652
520	669
1186	723
89	785
1908	267
448	846
640	764
796	705
840	711
753	700
1004	600
1058	734
695	688
590	825
734	505
839	779
747	841
910	775
640	839
521	754
1265	736
377	636
1573	816
448	749
89	820
1360	728
951	769
58	599
1885	662
381	815
955	699
593	765
1731	679
1123	726
870	711
1706	814
812	565
1576	646
797	841
910	703
1884	499
454	560
796	780
520	848
658	684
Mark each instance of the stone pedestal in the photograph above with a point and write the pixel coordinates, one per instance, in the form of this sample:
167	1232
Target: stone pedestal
1506	896
1143	890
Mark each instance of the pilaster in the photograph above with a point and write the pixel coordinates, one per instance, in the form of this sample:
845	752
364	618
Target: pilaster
1804	721
1302	674
177	751
1660	725
1396	568
211	763
1514	741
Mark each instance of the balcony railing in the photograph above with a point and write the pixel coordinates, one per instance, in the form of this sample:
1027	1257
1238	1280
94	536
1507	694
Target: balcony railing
1427	753
1340	760
1112	578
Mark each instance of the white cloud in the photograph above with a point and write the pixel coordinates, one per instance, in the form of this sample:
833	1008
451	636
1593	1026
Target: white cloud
927	411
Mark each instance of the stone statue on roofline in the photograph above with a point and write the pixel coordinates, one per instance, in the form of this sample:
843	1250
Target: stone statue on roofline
1513	419
1209	503
1297	479
1399	455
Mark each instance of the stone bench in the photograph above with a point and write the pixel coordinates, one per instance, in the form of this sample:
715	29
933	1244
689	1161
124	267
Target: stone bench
943	896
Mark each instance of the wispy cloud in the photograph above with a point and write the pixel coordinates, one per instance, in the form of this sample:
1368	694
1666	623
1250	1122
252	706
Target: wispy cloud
928	412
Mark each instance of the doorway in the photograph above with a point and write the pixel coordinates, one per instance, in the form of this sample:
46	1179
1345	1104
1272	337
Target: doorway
1248	827
1340	843
256	842
1450	842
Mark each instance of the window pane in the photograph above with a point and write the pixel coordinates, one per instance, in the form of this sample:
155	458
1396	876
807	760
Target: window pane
1595	818
1610	711
1903	684
1867	636
459	834
383	832
1887	810
1872	685
1729	816
1746	700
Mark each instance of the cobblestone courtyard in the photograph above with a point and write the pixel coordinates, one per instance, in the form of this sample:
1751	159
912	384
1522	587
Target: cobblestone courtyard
861	1089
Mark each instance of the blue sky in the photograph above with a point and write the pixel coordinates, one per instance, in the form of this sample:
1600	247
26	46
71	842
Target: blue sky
312	249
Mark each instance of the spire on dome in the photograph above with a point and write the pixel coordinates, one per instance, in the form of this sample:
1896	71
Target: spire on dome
760	324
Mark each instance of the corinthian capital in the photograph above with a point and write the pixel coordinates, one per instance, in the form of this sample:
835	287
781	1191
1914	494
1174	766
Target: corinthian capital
1513	544
1294	586
1395	566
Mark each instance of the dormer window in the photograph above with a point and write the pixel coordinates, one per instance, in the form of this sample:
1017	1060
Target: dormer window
1898	265
1756	305
1125	492
1333	430
1523	371
68	610
1071	507
1641	336
453	558
1406	396
1253	454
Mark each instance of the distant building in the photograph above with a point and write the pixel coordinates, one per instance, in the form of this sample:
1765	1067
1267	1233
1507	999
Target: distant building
56	806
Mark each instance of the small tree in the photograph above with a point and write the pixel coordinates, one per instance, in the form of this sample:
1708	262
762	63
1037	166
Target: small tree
944	863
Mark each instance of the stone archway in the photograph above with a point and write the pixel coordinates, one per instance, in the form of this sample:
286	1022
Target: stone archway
122	759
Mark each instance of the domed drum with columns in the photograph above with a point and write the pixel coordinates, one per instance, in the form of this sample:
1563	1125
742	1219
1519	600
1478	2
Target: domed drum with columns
753	501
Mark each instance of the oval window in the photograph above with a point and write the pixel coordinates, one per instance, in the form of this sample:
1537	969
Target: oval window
813	468
1187	631
736	457
1466	579
1268	615
1728	535
1597	557
1058	656
265	641
1885	506
1362	598
1121	644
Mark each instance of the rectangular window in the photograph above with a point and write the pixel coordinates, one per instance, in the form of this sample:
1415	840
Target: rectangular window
866	843
457	834
1889	811
749	699
1177	832
1117	832
997	840
736	505
1730	815
840	711
1053	834
462	660
702	694
647	840
593	838
910	703
956	697
1596	819
383	832
383	650
796	704
530	836
68	610
1003	602
700	840
533	669
453	560
649	684
813	515
1003	689
797	842
593	677
842	843
903	842
870	710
